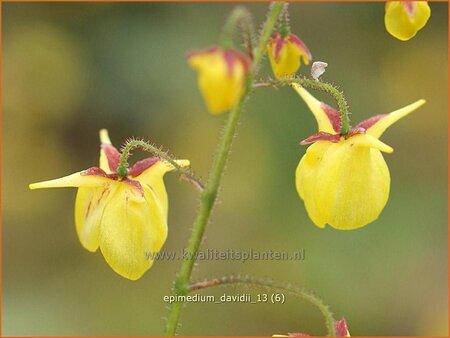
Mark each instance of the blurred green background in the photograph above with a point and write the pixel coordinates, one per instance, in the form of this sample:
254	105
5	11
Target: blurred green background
70	69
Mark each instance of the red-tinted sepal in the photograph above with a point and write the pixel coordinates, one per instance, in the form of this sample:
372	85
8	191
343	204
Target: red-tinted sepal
340	328
96	171
333	116
366	124
321	136
140	166
112	155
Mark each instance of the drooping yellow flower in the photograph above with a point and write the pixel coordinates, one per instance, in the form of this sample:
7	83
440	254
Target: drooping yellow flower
285	54
126	218
403	19
221	76
344	180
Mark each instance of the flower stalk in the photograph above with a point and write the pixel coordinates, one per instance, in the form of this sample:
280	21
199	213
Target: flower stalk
285	29
239	17
318	85
131	144
209	194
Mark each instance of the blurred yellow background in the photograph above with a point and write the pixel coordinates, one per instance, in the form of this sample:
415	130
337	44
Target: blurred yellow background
70	69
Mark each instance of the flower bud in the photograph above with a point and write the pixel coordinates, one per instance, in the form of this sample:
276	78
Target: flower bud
285	54
403	19
221	76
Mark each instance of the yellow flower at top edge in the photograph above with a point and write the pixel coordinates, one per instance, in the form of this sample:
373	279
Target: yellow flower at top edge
403	19
344	180
285	54
221	76
126	218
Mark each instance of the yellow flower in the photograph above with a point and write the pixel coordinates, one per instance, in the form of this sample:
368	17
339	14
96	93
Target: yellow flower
344	180
403	19
285	54
126	218
221	76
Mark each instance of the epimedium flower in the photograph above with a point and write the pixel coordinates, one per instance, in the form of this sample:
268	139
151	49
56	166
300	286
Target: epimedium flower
340	329
343	179
221	76
285	54
126	217
403	19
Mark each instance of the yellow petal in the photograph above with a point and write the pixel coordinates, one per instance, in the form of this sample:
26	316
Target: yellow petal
132	229
316	107
220	89
288	61
369	141
74	180
89	208
305	182
400	24
343	185
104	139
153	177
385	122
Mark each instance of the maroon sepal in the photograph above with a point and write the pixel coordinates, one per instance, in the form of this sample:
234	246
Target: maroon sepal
321	136
140	166
300	44
135	184
366	124
333	116
112	154
340	328
355	131
96	171
232	56
279	42
410	7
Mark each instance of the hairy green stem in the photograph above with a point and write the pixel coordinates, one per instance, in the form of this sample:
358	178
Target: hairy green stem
131	144
271	20
285	28
240	16
209	194
270	285
318	85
